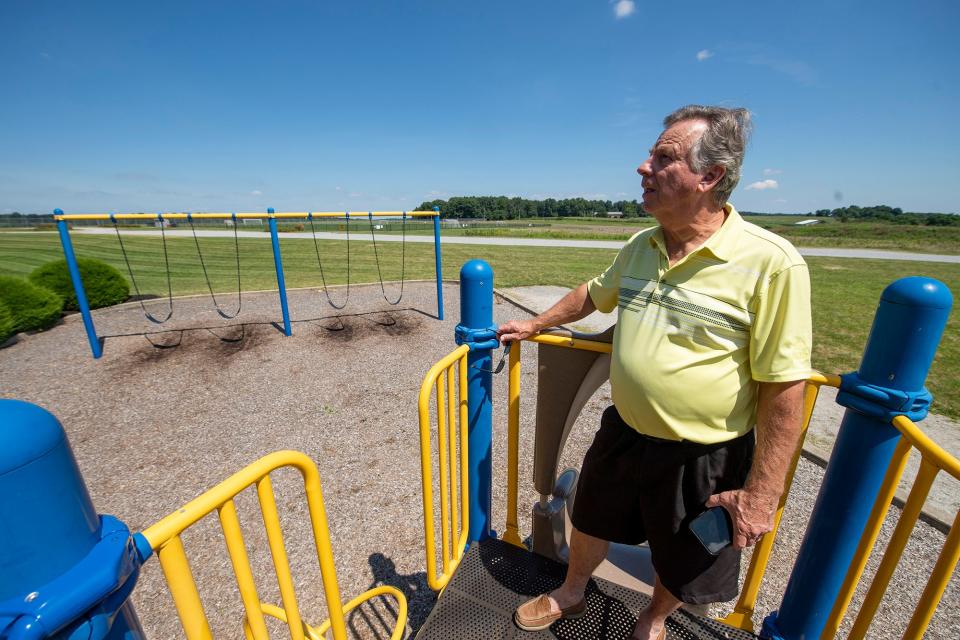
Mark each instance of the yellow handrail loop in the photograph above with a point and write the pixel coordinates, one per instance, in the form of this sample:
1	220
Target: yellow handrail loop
447	376
164	538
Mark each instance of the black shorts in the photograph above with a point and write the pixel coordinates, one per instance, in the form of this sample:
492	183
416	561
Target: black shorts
634	488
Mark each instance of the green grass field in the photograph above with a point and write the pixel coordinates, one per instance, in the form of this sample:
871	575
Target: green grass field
845	291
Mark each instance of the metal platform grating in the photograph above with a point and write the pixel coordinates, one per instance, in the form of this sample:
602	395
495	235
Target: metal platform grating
494	578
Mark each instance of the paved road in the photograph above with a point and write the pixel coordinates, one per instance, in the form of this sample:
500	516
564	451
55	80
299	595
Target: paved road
522	242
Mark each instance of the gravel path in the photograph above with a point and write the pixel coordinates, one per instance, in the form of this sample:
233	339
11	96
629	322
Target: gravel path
152	428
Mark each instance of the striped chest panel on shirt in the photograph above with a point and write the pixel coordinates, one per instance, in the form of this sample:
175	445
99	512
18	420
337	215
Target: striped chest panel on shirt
682	309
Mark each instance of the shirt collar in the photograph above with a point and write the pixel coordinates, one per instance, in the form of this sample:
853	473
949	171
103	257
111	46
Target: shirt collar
721	244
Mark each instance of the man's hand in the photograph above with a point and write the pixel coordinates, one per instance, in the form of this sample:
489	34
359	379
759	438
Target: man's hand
572	307
750	514
751	509
516	330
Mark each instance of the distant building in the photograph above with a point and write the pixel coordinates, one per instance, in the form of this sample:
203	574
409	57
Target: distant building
614	214
804	223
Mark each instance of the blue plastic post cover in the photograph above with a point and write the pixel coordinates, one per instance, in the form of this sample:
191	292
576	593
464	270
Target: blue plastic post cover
16	450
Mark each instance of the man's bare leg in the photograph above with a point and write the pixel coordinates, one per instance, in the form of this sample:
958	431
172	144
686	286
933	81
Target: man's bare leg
586	554
652	619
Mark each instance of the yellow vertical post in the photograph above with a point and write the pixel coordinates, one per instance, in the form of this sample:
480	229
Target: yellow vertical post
452	462
942	571
241	569
271	522
742	614
464	462
176	569
444	480
908	518
870	533
512	533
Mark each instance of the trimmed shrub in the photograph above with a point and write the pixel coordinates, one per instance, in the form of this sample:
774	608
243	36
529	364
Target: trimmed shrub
33	308
104	285
6	322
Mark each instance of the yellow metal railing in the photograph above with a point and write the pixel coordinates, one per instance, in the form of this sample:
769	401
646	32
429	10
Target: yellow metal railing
164	539
742	614
933	459
511	532
220	216
449	378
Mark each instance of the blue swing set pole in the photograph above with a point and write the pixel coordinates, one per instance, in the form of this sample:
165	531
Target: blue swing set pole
436	253
74	270
906	330
278	263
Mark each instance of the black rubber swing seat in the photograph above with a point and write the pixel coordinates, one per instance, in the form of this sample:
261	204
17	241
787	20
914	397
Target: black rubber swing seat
494	578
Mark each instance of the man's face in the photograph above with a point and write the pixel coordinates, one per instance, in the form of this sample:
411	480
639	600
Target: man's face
669	184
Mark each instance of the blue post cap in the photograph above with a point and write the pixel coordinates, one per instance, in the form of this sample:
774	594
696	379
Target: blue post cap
918	291
58	212
15	449
476	270
270	210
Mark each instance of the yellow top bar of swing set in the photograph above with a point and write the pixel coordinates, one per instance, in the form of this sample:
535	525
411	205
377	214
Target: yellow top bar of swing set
222	216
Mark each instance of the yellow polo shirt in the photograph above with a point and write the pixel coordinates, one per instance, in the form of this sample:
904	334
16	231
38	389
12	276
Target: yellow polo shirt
693	340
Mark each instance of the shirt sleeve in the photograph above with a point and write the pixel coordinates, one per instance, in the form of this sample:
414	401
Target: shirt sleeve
782	335
604	290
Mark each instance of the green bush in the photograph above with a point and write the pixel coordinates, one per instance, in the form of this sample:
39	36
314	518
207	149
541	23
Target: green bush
32	307
6	322
103	284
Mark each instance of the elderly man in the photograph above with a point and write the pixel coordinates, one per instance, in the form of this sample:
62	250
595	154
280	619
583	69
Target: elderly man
709	356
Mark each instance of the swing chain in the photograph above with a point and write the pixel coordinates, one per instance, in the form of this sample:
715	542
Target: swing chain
236	246
133	280
316	246
403	257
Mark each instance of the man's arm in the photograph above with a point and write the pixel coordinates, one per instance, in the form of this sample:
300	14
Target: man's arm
779	416
572	307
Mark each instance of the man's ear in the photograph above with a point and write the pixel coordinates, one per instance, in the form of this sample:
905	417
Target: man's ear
712	176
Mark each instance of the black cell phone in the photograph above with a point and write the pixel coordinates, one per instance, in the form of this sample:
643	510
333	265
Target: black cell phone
712	528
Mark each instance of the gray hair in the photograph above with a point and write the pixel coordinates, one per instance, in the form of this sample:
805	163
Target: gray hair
722	143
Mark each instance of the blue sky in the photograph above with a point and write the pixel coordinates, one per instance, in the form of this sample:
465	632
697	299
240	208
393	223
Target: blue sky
216	105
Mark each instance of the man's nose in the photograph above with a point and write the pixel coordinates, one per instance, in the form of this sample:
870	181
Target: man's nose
644	169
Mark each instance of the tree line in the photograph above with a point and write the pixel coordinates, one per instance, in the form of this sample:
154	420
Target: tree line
895	215
504	208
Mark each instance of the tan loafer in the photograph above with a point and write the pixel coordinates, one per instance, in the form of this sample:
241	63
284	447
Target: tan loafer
535	615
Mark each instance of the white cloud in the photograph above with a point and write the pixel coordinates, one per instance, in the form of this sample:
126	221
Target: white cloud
762	185
772	172
339	188
703	54
256	192
780	200
624	8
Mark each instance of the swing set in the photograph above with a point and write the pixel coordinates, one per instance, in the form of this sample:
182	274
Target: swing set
162	219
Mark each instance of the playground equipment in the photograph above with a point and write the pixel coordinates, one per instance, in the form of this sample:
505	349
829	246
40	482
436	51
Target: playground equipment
78	569
96	342
68	573
484	578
